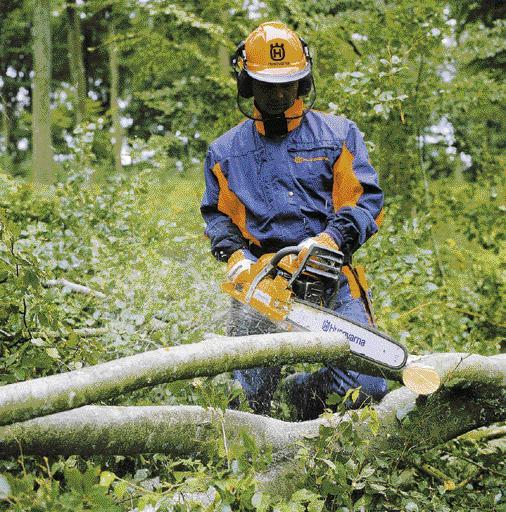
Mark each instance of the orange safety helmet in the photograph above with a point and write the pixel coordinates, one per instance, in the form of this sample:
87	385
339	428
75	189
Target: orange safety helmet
273	53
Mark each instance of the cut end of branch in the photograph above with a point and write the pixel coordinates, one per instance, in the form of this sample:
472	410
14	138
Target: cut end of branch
421	379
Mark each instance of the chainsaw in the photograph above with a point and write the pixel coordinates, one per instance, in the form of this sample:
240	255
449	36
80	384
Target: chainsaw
302	297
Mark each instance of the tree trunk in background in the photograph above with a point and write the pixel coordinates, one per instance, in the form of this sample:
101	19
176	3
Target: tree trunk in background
42	159
6	125
76	63
117	131
224	60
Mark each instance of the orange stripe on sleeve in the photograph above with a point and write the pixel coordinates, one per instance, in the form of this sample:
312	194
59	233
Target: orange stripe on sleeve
380	217
231	205
346	190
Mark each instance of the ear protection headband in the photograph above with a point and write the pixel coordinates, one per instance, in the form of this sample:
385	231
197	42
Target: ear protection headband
245	82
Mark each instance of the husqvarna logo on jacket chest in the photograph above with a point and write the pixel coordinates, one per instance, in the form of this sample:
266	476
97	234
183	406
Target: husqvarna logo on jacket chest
301	159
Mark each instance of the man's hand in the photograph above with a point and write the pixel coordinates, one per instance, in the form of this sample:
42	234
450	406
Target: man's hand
322	239
292	262
238	265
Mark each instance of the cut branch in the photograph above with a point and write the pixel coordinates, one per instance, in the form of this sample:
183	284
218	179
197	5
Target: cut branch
74	287
428	374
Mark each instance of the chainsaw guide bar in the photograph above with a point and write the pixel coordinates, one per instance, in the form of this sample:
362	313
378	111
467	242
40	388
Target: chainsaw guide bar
364	341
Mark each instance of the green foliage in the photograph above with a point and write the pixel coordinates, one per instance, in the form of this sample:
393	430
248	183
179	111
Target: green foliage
450	300
352	480
60	486
435	266
377	63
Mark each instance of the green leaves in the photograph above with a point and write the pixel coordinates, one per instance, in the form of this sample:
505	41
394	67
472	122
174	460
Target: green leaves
106	479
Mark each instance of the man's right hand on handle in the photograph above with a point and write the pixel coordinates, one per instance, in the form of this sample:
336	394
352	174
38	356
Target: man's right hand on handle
292	262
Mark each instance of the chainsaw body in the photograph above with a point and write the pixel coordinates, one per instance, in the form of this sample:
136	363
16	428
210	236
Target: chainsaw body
274	280
302	295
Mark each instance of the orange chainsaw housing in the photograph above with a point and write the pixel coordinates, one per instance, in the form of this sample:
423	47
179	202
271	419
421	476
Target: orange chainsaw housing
272	297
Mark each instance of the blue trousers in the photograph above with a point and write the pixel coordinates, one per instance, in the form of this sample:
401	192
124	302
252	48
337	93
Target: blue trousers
308	390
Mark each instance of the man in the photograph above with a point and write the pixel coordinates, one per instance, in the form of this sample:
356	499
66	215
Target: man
288	176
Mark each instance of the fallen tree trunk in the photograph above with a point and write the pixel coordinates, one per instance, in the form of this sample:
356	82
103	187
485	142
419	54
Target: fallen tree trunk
185	430
406	421
47	395
39	397
191	430
182	430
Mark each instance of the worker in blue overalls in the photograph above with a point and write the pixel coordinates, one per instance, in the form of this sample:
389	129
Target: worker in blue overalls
285	176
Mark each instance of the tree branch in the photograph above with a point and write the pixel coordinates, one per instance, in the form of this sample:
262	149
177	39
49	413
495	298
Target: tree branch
74	287
429	373
192	430
73	389
70	390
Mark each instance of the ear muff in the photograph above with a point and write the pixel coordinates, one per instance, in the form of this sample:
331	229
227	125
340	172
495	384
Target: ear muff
244	81
244	84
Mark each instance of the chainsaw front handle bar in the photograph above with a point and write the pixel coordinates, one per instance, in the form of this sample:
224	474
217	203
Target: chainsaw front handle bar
276	258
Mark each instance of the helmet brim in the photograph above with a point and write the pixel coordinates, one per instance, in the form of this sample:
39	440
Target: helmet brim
279	76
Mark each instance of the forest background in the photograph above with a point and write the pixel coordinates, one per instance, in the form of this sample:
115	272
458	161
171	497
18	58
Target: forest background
107	108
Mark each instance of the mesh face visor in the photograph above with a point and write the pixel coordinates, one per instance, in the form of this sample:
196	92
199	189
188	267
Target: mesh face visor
301	106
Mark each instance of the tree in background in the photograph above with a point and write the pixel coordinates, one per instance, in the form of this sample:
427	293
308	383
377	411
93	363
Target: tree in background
114	67
42	158
397	68
15	67
76	62
376	63
477	91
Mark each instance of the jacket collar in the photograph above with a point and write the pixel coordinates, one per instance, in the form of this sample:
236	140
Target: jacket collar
293	117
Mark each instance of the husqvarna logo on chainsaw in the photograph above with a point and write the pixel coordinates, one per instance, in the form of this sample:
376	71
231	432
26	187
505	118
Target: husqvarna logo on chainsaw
328	326
277	51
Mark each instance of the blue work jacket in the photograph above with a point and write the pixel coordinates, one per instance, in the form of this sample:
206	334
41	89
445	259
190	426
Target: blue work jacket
264	193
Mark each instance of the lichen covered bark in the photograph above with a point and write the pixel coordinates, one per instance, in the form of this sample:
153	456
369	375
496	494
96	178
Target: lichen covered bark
405	423
74	389
179	430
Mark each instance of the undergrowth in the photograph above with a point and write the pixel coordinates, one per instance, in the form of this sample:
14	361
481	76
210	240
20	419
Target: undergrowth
437	286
